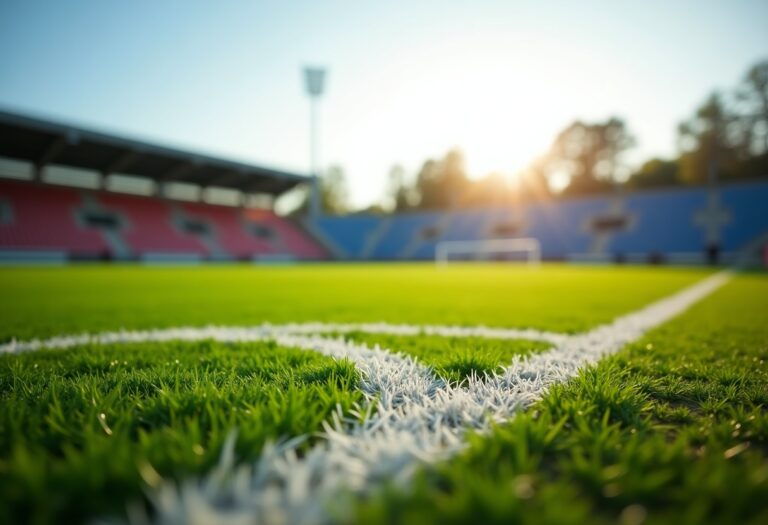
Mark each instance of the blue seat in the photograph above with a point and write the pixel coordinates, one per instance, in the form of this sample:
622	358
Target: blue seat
402	230
662	222
349	232
748	207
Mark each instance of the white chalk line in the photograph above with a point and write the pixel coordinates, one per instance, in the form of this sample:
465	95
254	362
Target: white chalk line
417	418
269	331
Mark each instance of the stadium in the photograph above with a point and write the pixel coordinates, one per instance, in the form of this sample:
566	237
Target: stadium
190	337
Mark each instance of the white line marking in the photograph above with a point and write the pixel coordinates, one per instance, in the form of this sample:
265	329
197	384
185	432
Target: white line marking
269	331
417	418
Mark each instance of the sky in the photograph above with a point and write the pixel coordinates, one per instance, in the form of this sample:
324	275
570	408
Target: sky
406	81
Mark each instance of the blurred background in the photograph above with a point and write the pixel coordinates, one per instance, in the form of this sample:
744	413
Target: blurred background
186	131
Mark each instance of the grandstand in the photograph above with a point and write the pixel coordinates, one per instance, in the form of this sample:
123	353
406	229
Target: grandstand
43	221
678	225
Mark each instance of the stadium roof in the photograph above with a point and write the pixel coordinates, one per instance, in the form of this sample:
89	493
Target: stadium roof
43	142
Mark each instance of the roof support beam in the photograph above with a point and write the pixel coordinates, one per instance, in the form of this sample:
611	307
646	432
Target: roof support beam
179	171
122	162
226	180
265	186
52	151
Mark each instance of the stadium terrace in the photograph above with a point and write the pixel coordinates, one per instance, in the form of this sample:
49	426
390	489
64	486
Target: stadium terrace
48	221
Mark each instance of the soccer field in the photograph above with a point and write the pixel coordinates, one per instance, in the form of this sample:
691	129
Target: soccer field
383	394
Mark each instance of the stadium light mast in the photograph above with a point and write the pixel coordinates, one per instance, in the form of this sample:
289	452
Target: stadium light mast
314	78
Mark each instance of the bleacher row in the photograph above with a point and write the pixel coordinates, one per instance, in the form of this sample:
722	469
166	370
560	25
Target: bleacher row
663	225
76	223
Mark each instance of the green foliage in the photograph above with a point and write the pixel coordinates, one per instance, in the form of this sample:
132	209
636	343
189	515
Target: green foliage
728	133
656	173
445	184
334	194
591	155
440	184
82	430
672	430
401	194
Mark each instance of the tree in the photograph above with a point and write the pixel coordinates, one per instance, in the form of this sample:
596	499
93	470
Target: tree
728	135
751	125
493	190
752	97
590	155
399	193
532	182
656	173
441	184
703	142
334	195
444	184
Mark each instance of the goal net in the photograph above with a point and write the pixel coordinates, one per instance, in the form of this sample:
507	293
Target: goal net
526	247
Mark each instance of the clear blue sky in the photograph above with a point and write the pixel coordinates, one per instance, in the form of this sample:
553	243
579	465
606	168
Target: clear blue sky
408	80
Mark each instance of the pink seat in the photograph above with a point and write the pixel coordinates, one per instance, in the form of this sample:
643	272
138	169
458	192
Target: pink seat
292	238
149	227
44	217
230	230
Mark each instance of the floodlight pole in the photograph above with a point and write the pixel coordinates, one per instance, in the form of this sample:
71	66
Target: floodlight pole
314	80
315	206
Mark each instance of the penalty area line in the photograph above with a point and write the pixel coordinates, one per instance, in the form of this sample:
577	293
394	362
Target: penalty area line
268	331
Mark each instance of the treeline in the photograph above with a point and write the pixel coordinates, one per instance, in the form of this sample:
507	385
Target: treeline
726	137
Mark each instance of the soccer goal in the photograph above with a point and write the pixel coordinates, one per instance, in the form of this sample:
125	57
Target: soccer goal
482	249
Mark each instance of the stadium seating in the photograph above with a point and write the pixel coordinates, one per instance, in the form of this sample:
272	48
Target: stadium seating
230	230
748	206
640	226
148	226
291	238
99	224
36	219
403	232
665	222
350	232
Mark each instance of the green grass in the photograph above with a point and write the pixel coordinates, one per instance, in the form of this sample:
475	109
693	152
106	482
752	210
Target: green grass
674	426
672	430
80	427
454	358
51	301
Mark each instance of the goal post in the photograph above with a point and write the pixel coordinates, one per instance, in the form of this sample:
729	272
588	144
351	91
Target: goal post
527	245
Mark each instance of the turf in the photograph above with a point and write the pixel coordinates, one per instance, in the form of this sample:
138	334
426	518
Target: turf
53	301
673	429
650	431
454	358
82	430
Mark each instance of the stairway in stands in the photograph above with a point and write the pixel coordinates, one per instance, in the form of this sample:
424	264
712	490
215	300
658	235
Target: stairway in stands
90	224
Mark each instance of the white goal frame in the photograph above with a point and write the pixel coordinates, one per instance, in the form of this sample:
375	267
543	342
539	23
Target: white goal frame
529	245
